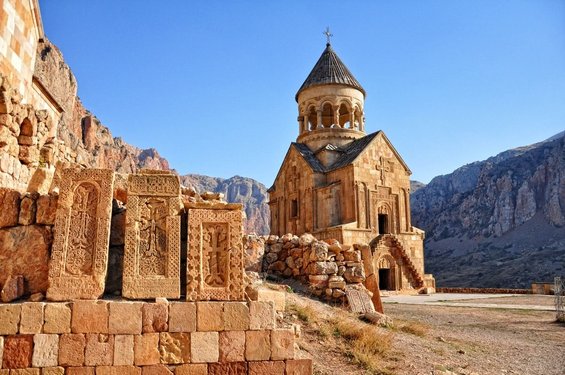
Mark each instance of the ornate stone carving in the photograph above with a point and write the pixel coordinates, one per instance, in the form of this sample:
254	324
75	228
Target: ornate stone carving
215	254
79	258
152	238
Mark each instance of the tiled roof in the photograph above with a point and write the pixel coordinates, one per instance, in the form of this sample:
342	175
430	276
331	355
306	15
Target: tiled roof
330	70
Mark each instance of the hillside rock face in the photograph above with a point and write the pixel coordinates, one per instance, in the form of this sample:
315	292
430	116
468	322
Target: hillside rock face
498	222
252	194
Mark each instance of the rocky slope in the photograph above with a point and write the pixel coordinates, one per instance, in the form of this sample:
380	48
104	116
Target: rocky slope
252	194
498	222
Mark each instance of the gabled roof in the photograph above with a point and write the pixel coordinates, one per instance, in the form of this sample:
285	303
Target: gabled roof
330	70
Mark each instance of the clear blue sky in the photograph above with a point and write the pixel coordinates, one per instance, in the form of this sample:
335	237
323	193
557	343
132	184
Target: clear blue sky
211	84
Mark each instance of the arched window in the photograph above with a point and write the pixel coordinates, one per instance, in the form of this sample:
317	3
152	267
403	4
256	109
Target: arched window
312	118
344	116
327	115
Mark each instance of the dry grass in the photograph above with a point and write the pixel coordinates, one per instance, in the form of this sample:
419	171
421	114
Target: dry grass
415	328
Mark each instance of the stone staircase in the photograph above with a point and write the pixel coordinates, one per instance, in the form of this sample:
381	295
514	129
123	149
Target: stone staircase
389	241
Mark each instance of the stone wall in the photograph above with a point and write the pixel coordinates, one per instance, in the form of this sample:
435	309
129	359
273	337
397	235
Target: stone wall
119	337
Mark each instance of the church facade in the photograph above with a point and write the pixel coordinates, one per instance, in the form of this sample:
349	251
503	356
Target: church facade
338	182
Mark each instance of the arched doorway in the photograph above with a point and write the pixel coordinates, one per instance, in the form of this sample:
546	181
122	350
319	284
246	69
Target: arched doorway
387	272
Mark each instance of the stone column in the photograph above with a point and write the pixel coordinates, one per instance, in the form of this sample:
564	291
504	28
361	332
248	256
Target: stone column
352	120
336	117
319	119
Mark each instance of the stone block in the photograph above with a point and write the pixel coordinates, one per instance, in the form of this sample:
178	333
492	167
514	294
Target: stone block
71	349
99	349
1	349
123	350
45	350
155	317
262	315
9	319
32	318
236	316
210	316
46	209
156	370
282	344
28	209
125	318
13	288
18	351
266	367
25	371
53	371
230	368
204	347
118	370
80	371
278	297
299	367
89	317
182	317
258	345
174	348
232	346
57	318
146	349
192	369
10	203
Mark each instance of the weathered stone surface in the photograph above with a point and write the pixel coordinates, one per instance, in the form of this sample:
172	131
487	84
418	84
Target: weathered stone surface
155	317
99	349
28	209
156	370
45	350
278	297
232	346
204	347
358	300
299	367
192	369
25	252
1	349
232	368
215	259
71	349
123	350
236	316
378	319
36	297
31	317
210	316
182	317
282	344
25	371
80	371
13	288
336	282
10	203
118	370
18	351
262	315
9	319
146	349
258	345
53	371
89	317
174	348
79	259
46	209
57	318
125	317
266	367
152	243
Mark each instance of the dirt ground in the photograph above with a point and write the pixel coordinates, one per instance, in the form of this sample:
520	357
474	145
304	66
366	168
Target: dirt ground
451	340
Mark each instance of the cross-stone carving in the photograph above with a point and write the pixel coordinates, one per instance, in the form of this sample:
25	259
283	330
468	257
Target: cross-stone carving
79	258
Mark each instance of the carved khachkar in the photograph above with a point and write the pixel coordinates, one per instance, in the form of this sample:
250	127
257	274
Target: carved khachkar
215	254
152	238
79	258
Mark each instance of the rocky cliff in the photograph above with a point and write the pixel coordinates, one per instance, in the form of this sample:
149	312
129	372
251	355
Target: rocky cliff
252	194
498	222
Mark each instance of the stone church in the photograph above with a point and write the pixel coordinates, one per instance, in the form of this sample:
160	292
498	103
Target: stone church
338	182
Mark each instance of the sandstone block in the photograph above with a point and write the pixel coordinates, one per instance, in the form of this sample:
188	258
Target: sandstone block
46	209
10	203
236	316
123	350
182	317
80	371
125	318
57	318
336	282
89	317
282	344
230	368
155	317
71	349
32	318
18	351
276	296
262	315
299	367
318	281
258	345
45	350
25	371
28	209
192	369
174	348
118	370
53	371
232	346
146	349
156	370
1	349
204	347
13	288
9	319
266	367
210	316
4	372
99	349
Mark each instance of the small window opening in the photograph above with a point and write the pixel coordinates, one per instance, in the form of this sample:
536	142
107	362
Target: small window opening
294	208
383	223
